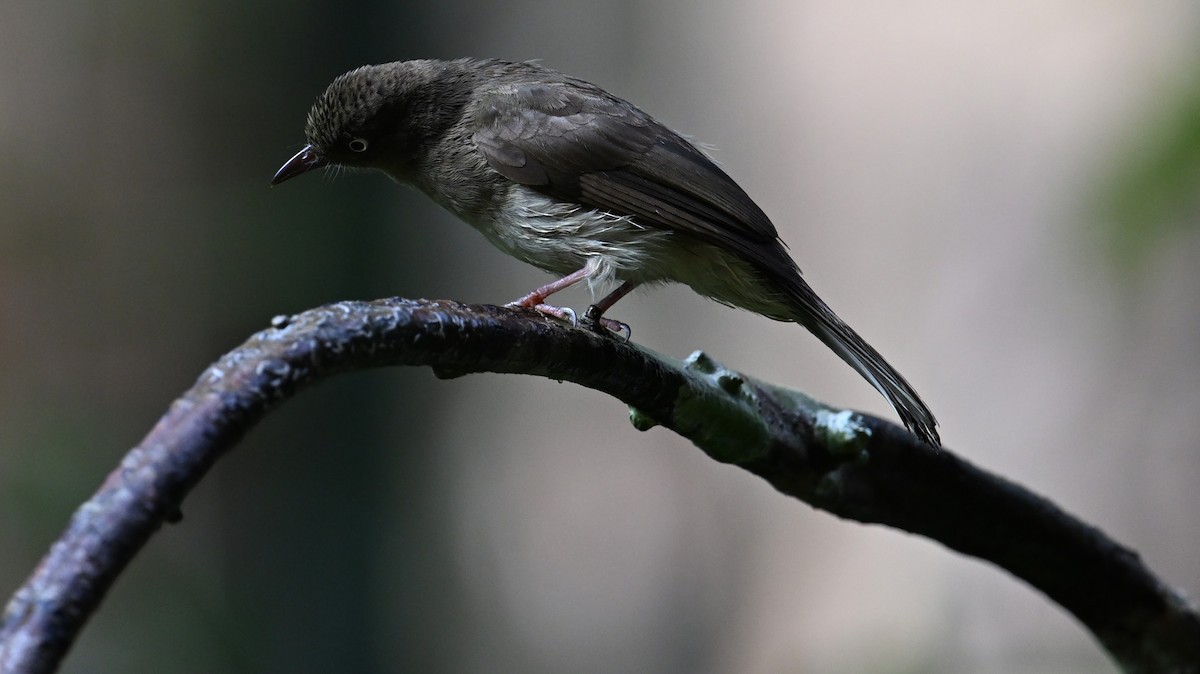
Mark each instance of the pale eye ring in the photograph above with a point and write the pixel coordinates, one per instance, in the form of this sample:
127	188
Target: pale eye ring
358	145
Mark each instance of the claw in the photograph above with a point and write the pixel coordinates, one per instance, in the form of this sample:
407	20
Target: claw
621	327
569	314
594	321
561	313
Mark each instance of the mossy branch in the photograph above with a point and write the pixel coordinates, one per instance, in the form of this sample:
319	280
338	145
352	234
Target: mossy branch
852	465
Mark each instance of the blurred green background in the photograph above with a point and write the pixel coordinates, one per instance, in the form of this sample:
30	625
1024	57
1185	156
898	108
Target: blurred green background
1003	200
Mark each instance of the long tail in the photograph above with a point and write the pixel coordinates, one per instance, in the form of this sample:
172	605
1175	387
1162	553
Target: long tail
845	342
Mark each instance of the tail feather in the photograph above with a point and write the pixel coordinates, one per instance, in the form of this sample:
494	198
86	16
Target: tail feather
845	342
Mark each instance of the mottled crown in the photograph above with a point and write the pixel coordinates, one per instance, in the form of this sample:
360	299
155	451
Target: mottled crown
350	102
391	100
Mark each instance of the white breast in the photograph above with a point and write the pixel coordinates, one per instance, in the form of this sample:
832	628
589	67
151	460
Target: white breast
564	238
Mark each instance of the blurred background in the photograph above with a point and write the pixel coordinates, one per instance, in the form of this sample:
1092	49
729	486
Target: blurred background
1002	199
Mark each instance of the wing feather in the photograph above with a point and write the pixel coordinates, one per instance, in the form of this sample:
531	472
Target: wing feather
576	142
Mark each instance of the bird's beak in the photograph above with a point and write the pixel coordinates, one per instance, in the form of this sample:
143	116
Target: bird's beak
304	161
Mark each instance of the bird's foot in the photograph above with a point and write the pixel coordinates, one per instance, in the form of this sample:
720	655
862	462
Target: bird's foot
561	313
594	321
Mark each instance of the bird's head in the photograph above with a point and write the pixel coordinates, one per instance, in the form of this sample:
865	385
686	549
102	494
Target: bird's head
364	119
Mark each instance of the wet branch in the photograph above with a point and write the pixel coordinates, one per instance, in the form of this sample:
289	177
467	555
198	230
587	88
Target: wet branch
852	465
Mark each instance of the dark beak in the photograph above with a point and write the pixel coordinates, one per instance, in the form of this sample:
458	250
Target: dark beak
304	161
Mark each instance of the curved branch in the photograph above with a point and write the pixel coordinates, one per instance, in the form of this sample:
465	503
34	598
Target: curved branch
852	465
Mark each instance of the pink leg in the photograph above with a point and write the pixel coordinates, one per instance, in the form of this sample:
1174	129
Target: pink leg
536	298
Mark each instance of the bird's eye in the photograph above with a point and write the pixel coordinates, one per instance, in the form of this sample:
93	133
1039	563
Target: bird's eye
358	145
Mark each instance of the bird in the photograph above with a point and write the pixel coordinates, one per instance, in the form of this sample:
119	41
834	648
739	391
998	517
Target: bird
561	174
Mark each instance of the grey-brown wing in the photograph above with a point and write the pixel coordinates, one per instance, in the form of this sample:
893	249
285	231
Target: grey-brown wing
575	142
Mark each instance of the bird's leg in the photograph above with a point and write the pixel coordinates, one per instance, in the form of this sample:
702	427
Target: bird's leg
537	299
595	314
594	319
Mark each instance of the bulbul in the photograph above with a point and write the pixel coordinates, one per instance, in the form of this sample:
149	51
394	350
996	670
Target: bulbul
561	174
